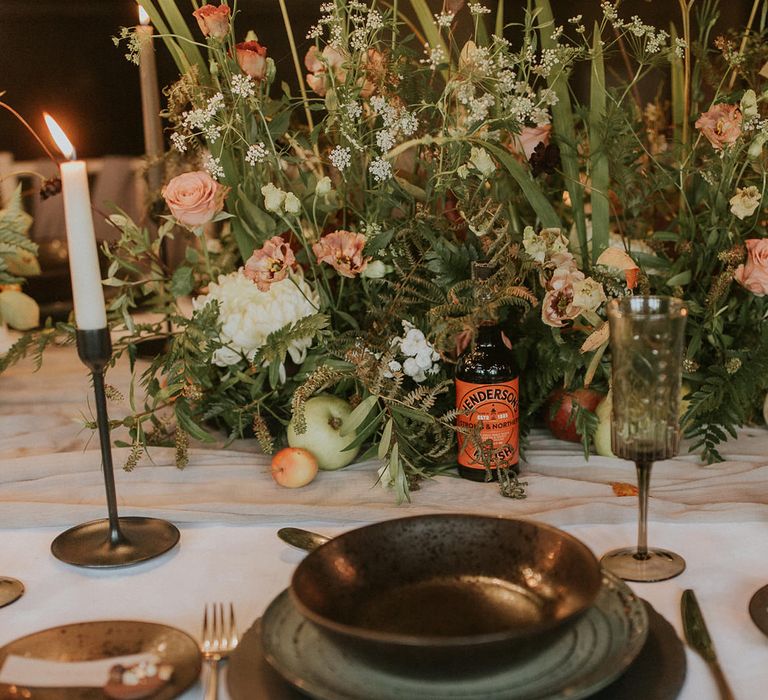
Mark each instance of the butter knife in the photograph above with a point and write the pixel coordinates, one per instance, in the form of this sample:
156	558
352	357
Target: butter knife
697	636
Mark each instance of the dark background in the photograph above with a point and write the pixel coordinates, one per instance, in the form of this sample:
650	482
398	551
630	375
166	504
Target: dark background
57	55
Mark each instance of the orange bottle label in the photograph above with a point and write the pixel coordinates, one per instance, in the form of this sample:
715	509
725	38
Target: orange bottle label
496	408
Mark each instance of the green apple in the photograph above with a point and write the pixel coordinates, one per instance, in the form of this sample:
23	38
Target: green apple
604	411
325	416
18	310
603	432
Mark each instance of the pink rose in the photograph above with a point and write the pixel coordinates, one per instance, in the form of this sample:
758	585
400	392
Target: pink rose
754	274
270	263
343	251
375	67
194	198
318	64
526	141
558	306
213	21
252	59
721	124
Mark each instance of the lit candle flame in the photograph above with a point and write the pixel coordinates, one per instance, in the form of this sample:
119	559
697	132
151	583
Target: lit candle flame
60	138
143	16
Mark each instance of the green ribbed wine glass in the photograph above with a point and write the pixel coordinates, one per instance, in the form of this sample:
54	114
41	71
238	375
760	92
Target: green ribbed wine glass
647	338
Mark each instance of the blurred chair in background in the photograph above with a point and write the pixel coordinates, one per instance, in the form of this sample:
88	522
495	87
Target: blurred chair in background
116	181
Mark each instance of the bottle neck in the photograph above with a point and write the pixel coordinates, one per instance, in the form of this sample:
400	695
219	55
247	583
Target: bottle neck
488	333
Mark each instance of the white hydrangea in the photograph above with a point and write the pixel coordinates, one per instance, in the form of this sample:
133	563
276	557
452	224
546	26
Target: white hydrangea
420	359
248	315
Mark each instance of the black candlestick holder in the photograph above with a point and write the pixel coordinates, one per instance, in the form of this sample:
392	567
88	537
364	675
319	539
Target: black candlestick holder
115	541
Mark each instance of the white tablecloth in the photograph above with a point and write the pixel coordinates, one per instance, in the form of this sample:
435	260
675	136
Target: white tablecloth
228	510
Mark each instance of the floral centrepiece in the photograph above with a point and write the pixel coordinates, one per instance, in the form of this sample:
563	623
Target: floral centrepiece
331	231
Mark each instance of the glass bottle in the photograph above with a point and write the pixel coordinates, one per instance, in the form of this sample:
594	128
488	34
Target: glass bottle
487	388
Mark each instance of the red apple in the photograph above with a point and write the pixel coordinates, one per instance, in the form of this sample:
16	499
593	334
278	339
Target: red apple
559	410
294	467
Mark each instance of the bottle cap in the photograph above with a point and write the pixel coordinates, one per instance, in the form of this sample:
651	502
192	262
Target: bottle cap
483	270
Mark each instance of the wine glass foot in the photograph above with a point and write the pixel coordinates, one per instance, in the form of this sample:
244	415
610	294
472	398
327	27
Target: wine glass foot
11	590
656	565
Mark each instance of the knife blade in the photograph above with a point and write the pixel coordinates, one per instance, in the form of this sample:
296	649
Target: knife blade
698	638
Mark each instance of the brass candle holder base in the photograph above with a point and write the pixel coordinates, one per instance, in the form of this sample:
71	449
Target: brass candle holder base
90	545
11	590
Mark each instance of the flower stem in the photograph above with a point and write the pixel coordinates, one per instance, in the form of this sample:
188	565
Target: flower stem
297	66
31	131
685	11
743	44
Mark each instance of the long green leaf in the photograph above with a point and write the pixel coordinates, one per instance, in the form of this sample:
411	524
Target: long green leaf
500	19
431	32
357	416
178	55
600	175
677	87
179	27
565	131
386	438
533	193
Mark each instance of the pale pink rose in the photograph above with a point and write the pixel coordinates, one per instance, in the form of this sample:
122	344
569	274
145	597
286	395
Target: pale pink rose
318	64
557	306
194	198
721	124
213	21
754	274
252	59
270	263
343	251
526	141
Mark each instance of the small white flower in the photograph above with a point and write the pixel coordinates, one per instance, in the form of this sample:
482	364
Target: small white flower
482	161
748	105
354	110
380	169
341	157
424	358
412	369
408	123
435	56
323	186
394	366
444	20
243	85
376	270
385	139
256	153
477	9
588	294
213	166
291	203
179	143
273	198
413	342
534	246
745	201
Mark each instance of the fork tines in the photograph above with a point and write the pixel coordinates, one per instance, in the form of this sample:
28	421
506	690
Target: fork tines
219	634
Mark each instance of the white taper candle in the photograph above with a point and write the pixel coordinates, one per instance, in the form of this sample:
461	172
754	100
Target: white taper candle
87	291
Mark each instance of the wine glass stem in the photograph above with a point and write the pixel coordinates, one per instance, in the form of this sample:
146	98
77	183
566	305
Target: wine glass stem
643	481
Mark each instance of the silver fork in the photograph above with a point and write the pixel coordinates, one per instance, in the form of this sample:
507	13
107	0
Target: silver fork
219	640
